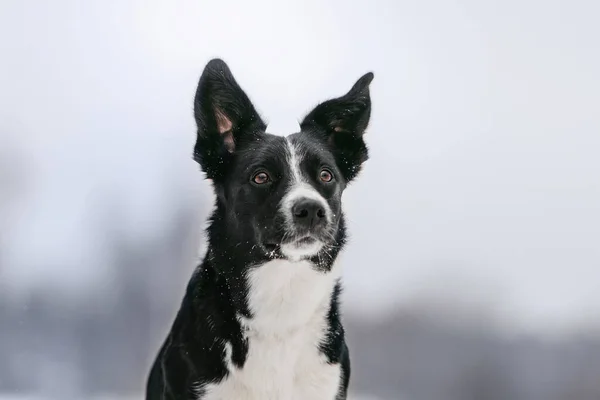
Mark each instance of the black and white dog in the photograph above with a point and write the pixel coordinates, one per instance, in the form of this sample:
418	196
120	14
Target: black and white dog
260	319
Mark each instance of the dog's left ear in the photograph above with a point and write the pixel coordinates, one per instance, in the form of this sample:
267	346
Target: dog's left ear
341	122
225	117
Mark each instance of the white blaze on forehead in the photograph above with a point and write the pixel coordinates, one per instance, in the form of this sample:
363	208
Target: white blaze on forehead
294	162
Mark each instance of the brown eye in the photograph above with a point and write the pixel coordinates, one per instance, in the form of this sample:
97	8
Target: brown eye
260	178
326	176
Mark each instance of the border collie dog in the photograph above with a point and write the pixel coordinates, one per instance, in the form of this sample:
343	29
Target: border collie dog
260	319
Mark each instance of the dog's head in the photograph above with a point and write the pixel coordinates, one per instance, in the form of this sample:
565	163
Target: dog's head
278	196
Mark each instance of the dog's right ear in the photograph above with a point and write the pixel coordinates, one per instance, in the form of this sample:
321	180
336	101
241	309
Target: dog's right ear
341	123
224	117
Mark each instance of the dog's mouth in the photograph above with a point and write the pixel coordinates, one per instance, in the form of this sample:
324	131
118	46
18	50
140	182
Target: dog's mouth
304	242
301	248
301	241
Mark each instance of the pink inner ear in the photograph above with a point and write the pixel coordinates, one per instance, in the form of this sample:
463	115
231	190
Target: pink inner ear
337	125
223	123
224	126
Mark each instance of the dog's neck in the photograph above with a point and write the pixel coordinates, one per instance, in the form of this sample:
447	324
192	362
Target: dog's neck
276	296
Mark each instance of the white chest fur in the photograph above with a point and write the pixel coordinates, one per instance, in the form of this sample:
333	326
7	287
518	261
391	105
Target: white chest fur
289	302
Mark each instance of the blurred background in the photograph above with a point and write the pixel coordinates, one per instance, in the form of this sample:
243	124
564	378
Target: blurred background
481	199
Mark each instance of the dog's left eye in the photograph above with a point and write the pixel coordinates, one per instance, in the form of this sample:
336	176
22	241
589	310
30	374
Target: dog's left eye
260	178
326	175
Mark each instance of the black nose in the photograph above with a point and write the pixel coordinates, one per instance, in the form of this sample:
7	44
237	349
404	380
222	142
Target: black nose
308	214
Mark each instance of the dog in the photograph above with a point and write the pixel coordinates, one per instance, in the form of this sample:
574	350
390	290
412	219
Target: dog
260	319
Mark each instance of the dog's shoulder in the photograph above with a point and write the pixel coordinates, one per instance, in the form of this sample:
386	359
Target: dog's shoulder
195	349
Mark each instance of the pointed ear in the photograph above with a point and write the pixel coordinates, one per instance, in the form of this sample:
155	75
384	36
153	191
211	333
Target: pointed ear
341	122
224	116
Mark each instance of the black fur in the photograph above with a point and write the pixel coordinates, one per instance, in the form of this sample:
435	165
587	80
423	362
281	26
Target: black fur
246	228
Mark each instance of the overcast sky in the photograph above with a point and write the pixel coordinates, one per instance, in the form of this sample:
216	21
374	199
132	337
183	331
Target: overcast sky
484	177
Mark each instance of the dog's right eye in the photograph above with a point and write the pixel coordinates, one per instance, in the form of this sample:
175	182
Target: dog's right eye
260	178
